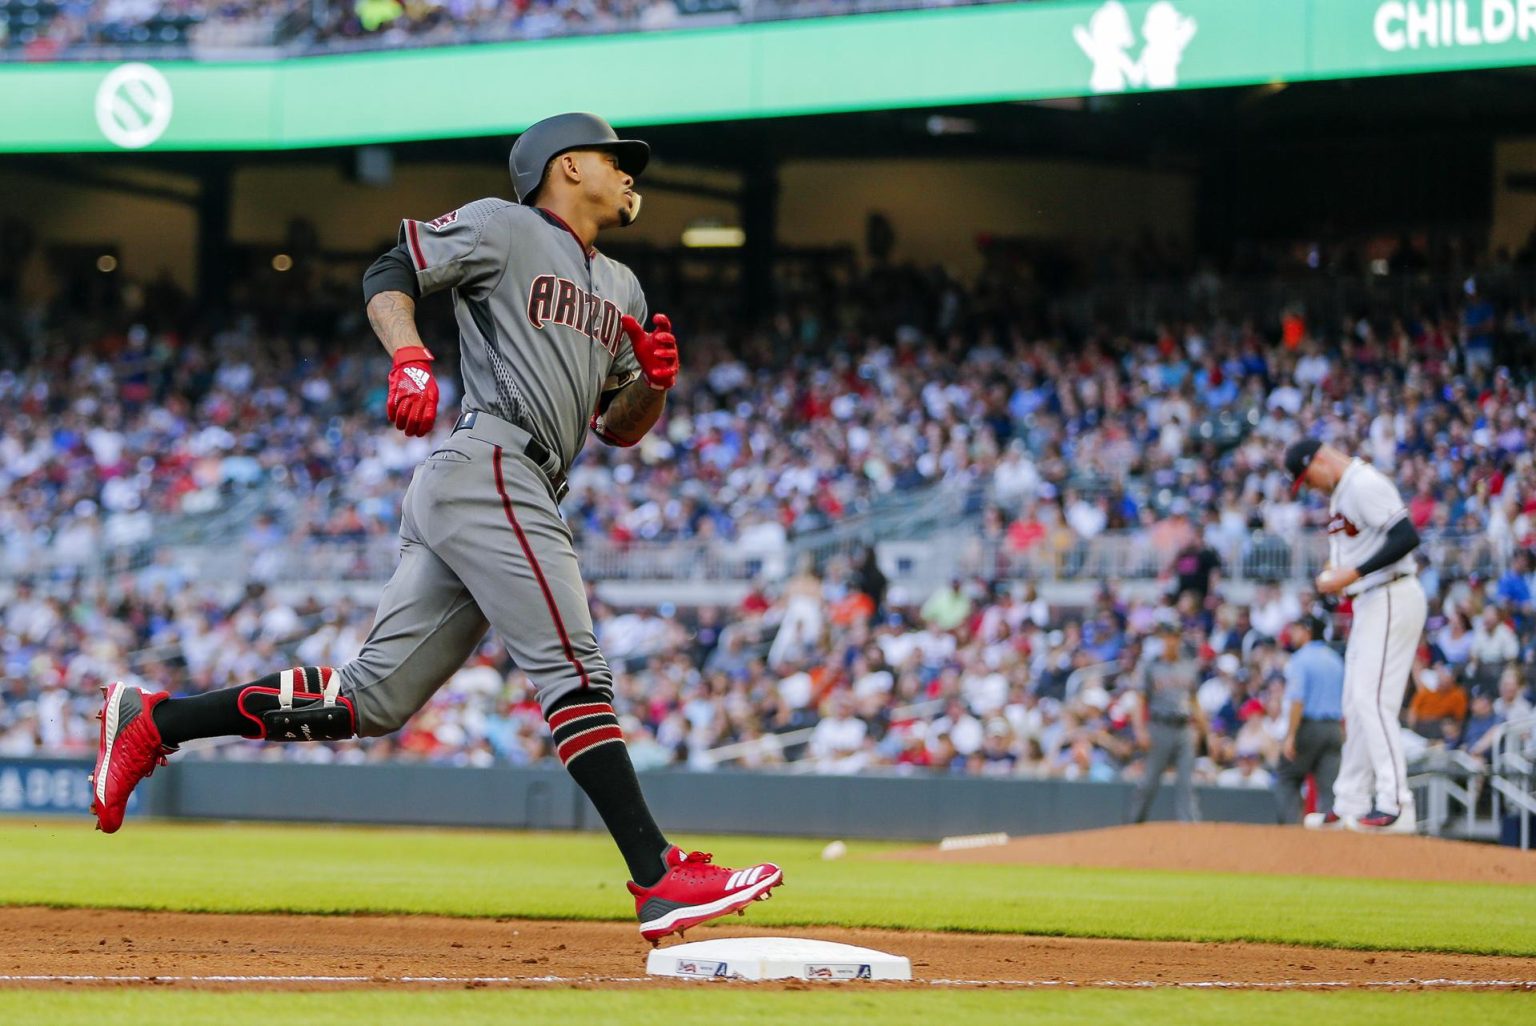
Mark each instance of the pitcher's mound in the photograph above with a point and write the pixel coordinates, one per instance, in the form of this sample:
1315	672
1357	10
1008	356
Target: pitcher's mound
1245	848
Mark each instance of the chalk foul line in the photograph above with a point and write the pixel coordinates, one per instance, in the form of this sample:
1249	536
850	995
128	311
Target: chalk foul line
1438	984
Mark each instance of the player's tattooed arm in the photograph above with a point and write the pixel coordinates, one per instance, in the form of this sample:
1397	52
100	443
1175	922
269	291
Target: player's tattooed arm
393	316
634	411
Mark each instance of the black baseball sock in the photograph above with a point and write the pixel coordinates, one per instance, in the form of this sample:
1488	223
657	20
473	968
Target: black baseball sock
225	713
591	745
215	714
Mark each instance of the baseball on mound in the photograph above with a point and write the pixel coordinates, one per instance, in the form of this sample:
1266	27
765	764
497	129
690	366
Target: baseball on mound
835	850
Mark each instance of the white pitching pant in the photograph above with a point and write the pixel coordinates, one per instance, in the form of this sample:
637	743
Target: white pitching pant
1383	641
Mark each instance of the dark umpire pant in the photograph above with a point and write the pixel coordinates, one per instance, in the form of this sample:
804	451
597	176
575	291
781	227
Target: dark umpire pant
1173	744
1318	746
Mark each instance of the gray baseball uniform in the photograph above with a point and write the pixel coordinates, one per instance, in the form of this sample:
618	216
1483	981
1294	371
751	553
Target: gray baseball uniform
1169	687
482	540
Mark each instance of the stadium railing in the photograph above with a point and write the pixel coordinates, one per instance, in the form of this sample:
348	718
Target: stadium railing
789	748
1083	674
1448	783
1464	796
1512	776
919	561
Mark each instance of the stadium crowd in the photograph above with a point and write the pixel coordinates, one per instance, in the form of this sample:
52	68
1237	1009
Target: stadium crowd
835	674
44	30
887	382
856	392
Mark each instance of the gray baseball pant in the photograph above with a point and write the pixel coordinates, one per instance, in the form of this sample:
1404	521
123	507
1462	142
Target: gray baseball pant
1171	746
481	543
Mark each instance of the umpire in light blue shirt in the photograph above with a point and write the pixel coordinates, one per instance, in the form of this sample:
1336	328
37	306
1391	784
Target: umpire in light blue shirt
1314	687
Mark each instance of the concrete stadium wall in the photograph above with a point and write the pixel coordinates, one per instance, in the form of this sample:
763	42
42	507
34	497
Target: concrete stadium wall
152	236
352	216
545	798
1514	202
938	207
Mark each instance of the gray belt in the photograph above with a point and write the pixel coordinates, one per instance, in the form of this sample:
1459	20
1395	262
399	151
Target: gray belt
512	436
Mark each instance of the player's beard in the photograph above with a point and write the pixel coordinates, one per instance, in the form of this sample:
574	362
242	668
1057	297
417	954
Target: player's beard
630	213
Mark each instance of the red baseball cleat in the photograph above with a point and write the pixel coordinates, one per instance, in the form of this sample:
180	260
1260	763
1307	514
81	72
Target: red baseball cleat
695	891
129	751
1378	822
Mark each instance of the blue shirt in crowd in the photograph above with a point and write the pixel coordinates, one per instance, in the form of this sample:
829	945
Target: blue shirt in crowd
1314	676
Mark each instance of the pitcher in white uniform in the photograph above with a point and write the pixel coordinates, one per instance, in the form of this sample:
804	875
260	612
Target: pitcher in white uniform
1370	541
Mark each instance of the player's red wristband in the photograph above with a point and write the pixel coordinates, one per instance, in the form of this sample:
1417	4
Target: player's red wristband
412	354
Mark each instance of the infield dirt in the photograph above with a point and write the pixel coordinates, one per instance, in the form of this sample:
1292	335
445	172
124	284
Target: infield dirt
1245	848
381	951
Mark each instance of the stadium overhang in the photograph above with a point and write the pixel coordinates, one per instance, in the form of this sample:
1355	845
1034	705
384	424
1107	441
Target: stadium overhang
870	62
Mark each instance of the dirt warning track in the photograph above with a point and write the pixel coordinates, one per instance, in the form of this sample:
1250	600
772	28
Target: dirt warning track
42	947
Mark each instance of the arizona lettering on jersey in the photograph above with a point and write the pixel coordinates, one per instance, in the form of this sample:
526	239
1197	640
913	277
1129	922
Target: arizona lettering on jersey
562	301
513	272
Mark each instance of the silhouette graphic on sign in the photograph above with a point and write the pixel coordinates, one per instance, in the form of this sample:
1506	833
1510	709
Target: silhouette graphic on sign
1165	33
1108	38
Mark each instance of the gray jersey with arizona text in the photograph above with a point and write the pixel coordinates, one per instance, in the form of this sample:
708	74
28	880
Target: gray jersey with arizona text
1169	686
538	317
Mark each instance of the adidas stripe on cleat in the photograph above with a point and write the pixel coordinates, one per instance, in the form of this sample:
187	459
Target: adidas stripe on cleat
129	749
695	890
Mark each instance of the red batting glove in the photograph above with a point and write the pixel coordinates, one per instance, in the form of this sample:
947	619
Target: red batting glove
656	350
412	403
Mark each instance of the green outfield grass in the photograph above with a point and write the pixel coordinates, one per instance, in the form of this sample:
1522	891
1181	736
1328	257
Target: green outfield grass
236	868
712	1005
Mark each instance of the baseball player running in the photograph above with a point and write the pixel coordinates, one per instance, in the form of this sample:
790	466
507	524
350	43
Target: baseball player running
551	347
1370	539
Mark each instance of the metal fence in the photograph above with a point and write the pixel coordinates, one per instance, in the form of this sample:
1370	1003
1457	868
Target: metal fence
1130	556
1483	799
919	553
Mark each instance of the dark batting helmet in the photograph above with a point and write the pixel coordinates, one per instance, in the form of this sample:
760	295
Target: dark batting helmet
547	139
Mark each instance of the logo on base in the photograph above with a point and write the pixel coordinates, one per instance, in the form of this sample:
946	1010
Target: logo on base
839	971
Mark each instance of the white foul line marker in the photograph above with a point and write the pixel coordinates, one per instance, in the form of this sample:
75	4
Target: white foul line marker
961	842
1061	984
